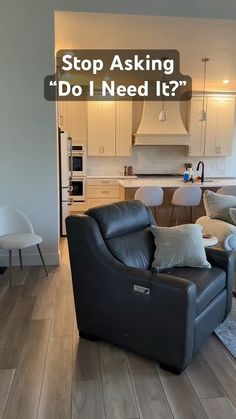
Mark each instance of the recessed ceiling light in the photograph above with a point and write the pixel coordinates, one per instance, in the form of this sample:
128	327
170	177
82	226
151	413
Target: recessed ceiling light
225	81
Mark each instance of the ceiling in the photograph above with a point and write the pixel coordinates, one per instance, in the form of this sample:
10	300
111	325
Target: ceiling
212	9
194	38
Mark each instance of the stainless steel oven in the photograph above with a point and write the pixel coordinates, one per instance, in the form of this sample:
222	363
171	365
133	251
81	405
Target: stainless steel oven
77	159
77	192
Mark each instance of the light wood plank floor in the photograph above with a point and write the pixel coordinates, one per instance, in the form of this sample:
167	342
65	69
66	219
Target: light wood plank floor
48	372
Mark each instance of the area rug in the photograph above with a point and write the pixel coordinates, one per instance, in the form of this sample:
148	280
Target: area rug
226	332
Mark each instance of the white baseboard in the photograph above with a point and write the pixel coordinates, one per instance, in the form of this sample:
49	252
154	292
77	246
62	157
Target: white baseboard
31	259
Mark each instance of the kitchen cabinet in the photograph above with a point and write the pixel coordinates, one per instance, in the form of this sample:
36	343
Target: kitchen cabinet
62	114
76	111
109	128
197	129
213	137
101	192
123	128
220	126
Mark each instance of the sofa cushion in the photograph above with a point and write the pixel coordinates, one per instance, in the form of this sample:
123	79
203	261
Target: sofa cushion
218	205
209	283
120	218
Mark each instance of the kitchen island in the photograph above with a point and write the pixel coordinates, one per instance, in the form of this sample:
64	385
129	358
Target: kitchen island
128	187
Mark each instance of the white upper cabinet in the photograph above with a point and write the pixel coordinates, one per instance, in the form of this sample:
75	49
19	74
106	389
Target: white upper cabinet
77	113
215	136
220	126
197	129
101	119
62	115
123	128
109	128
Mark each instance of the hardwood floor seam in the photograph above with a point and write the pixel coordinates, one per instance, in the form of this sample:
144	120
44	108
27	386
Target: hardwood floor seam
44	367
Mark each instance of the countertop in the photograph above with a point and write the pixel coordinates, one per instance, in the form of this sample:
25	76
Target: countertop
169	182
111	177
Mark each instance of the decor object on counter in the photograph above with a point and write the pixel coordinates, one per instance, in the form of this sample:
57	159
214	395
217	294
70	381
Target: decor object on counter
16	233
203	114
188	173
166	317
179	246
186	196
226	331
151	196
217	205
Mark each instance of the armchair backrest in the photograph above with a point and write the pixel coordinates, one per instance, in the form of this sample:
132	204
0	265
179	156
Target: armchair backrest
125	229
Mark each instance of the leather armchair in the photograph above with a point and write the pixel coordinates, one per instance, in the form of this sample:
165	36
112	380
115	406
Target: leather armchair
164	316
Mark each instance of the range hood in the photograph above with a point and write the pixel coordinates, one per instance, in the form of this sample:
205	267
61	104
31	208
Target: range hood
151	131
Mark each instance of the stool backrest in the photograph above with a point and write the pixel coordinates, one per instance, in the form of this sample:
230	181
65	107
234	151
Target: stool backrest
189	195
151	196
227	190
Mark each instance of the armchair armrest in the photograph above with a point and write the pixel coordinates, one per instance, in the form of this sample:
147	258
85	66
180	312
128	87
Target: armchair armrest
224	260
225	232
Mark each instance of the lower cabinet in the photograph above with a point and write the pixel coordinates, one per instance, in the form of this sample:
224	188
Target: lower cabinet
101	192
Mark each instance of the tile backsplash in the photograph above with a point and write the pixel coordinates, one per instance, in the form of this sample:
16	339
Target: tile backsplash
161	159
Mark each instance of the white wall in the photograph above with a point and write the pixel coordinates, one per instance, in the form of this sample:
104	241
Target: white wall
28	147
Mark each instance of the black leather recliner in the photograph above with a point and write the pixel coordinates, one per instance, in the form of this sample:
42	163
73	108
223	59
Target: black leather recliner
164	316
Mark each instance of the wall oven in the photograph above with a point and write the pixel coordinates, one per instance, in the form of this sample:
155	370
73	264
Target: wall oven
78	189
77	160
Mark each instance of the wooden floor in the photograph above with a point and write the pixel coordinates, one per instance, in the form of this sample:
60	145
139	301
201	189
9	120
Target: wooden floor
47	372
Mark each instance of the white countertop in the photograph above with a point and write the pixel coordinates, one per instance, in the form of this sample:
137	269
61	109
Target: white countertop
174	182
111	177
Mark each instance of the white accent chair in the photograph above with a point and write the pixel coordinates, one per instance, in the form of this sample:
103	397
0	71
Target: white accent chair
17	233
225	232
186	196
151	196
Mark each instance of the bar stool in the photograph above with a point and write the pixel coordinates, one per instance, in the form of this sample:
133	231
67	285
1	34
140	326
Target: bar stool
186	196
227	190
151	196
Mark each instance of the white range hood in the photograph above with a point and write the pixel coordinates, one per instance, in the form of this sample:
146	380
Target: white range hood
151	131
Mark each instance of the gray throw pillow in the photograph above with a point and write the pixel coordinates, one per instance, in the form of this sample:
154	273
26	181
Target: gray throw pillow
179	246
217	205
232	212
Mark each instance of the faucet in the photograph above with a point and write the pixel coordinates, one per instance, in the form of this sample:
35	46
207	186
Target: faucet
203	167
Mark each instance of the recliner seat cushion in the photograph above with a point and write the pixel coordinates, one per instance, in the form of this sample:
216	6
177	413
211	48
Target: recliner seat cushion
209	283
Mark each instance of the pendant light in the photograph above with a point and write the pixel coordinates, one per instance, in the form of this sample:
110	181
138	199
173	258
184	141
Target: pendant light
203	114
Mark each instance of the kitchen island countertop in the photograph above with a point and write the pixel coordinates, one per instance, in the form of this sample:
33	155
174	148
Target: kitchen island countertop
172	182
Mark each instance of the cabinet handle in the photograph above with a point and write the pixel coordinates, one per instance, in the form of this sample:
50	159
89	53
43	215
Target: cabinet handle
105	192
105	181
190	150
61	120
103	149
